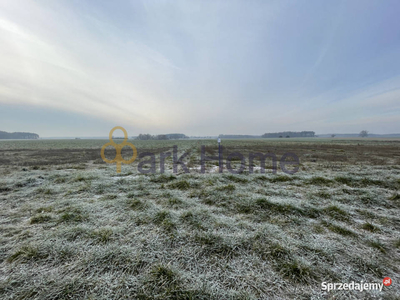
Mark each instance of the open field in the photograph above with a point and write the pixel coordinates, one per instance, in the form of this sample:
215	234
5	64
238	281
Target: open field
71	227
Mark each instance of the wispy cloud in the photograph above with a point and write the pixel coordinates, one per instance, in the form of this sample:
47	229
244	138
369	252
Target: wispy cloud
202	67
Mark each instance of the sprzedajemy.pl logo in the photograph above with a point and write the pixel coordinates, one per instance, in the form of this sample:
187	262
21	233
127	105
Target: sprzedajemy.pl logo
355	286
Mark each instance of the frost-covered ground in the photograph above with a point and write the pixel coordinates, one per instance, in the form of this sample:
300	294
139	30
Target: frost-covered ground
73	228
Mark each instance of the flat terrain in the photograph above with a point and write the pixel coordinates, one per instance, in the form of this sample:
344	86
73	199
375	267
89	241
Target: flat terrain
72	228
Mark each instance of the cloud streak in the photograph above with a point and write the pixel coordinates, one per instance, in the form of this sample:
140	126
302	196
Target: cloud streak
201	67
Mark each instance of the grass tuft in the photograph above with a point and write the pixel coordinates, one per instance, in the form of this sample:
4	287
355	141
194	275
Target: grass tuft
193	219
164	219
163	178
102	235
344	180
285	208
237	179
40	218
175	202
109	197
323	195
27	253
44	191
261	178
340	230
395	197
226	188
296	271
271	251
281	178
137	204
213	244
44	209
73	215
336	213
180	185
370	227
377	245
164	276
319	181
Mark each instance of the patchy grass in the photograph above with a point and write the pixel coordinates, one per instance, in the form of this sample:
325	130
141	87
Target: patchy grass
163	178
213	244
164	276
89	233
395	197
103	235
44	209
317	180
110	197
297	271
237	179
180	185
262	204
27	253
323	195
137	204
44	191
344	180
226	188
193	219
73	215
336	213
270	251
280	178
40	218
340	230
175	202
370	227
164	219
377	245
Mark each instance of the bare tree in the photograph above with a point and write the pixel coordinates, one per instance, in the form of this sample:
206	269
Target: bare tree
364	133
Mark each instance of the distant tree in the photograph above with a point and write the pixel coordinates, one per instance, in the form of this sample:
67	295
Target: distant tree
289	133
18	135
364	133
162	137
145	137
238	136
333	135
176	136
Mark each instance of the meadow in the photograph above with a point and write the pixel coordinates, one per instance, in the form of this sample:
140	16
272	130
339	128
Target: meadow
72	228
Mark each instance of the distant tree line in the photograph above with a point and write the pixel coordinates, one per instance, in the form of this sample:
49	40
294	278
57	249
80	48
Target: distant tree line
238	136
18	135
288	134
170	136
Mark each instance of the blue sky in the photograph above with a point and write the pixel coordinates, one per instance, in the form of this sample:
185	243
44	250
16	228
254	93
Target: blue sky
79	68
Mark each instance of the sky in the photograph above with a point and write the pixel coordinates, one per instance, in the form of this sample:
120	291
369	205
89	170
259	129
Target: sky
80	67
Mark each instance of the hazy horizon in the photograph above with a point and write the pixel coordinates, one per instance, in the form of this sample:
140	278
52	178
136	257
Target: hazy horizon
119	134
79	68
